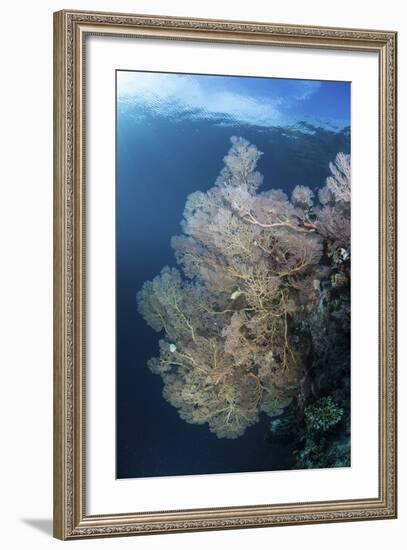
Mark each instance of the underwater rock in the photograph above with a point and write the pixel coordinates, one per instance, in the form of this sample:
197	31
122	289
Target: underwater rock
339	279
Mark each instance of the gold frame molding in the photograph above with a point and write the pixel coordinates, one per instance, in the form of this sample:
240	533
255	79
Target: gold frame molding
70	31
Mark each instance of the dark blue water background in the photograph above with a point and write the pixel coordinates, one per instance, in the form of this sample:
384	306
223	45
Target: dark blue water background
159	162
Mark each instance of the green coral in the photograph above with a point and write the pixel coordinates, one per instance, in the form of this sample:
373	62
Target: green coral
323	414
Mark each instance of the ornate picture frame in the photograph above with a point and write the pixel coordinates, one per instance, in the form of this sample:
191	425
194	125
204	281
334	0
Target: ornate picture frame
72	519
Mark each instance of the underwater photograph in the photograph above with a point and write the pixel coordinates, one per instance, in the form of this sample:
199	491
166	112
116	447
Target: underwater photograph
233	255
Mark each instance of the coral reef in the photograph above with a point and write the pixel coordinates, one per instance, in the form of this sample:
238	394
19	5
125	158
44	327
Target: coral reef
325	437
246	329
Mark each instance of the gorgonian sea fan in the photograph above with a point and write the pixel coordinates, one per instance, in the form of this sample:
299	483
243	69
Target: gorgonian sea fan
251	273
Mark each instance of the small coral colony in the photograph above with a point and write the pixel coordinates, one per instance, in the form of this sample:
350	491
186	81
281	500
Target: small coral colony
256	320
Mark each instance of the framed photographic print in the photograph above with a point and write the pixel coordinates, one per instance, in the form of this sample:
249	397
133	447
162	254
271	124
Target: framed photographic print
225	274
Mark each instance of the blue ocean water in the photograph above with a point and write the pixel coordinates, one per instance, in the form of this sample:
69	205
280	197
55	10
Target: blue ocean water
160	160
